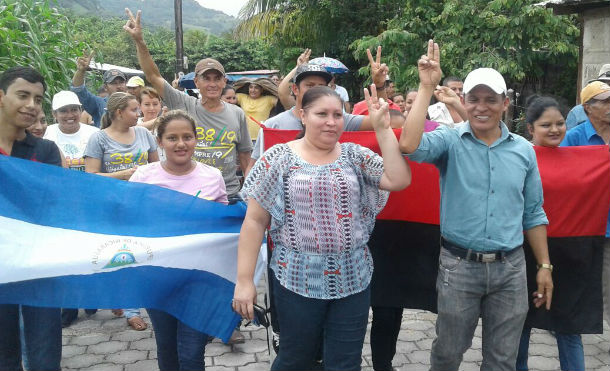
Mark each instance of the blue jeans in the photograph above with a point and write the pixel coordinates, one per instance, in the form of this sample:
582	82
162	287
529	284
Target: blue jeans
496	292
179	347
41	333
339	323
132	312
571	353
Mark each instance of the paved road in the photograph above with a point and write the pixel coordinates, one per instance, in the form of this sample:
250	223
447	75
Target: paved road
103	342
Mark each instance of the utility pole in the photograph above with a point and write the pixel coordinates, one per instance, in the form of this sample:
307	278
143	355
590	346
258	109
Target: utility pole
180	60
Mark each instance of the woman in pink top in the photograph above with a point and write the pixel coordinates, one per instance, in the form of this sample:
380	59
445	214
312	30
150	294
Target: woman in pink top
180	347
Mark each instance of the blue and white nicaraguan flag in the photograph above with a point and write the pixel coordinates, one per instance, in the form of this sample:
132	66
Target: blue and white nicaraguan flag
75	240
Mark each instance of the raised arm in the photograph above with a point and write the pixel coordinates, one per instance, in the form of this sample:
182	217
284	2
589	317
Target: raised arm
396	172
451	99
82	65
379	72
283	90
134	28
429	76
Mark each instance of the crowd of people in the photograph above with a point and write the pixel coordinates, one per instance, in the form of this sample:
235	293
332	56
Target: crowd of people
317	199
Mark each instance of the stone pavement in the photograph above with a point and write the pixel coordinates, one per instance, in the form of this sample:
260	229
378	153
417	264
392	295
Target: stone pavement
104	342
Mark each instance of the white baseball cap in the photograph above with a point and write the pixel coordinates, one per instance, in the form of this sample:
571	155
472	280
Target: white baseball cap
485	76
64	98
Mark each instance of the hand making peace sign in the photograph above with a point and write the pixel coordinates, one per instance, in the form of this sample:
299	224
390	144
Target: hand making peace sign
429	66
134	25
379	71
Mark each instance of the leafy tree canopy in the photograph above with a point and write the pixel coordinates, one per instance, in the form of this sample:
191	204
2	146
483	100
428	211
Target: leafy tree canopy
34	34
521	40
515	37
112	45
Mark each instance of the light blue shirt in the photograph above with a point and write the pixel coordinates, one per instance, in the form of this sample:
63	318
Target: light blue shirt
582	135
489	194
576	116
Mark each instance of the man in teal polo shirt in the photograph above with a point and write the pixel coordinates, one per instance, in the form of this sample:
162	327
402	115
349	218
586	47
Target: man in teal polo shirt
490	194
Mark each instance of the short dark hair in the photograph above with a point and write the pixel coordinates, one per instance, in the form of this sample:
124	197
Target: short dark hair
29	74
449	79
536	106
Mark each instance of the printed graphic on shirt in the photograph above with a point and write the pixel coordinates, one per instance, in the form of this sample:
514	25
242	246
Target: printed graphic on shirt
215	147
121	161
73	155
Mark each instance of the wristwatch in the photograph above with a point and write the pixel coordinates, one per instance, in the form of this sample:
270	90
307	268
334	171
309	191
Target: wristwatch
545	266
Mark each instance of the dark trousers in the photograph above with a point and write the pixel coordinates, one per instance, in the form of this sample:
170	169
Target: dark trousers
384	334
179	347
339	323
41	332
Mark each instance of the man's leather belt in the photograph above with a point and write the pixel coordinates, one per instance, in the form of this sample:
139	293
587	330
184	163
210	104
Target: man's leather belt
475	256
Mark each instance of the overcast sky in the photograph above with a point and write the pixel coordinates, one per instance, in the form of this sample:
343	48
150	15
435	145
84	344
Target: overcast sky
231	7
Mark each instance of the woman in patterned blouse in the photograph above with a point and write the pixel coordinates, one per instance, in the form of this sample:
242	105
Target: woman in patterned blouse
320	199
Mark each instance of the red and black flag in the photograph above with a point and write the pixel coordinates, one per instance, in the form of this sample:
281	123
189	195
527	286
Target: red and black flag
576	183
406	238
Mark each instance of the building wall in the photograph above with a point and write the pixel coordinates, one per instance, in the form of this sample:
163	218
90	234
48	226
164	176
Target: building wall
596	43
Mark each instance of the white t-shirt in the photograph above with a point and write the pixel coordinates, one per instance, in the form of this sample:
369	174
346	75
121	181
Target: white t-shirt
72	146
342	93
439	112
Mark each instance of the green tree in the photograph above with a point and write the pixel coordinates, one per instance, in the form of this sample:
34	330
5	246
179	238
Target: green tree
32	33
112	45
327	27
516	37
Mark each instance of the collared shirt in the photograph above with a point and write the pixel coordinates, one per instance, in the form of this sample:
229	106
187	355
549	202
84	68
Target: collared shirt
576	116
582	135
489	194
35	149
585	135
94	105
